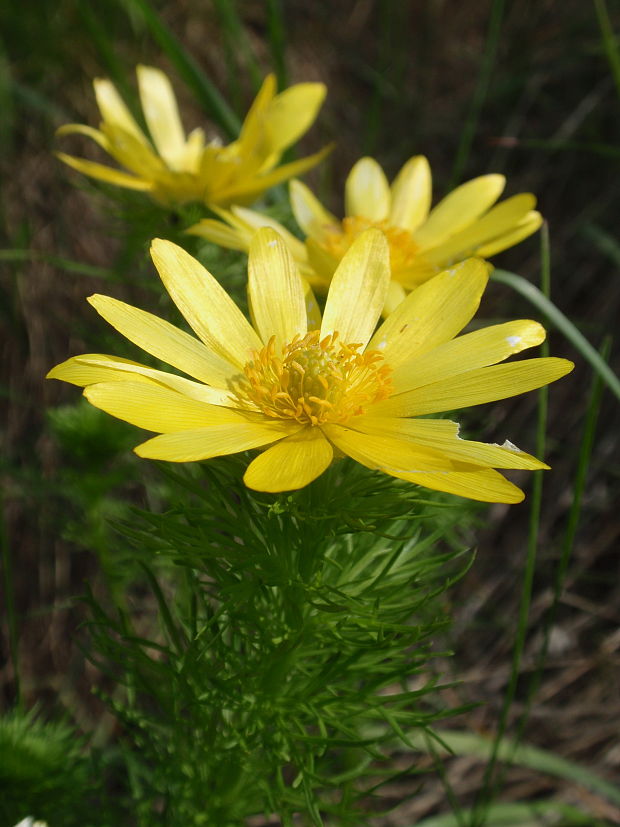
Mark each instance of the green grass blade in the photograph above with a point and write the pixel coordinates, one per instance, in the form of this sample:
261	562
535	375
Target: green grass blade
523	755
9	601
57	261
585	452
610	43
107	52
535	814
188	69
559	320
480	92
237	49
489	784
606	243
277	40
552	145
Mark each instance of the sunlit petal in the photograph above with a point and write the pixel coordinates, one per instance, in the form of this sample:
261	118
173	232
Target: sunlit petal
113	110
442	435
367	191
164	341
411	194
459	209
433	313
528	225
160	409
495	223
218	440
103	173
291	113
275	290
475	387
385	453
473	350
309	213
291	463
358	289
207	307
162	114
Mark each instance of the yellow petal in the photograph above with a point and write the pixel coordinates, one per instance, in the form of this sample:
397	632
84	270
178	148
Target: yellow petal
162	114
482	484
390	454
358	289
441	435
275	290
218	440
473	350
251	133
411	194
309	213
86	370
104	173
219	233
313	312
291	113
253	221
528	225
113	110
323	264
207	307
367	192
164	341
433	313
156	408
130	152
88	131
495	223
395	295
244	191
475	387
291	463
459	209
110	369
423	466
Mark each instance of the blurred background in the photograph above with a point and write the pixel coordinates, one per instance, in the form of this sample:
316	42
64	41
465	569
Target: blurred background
528	88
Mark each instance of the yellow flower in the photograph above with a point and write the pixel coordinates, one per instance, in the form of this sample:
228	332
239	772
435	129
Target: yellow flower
174	168
305	395
422	242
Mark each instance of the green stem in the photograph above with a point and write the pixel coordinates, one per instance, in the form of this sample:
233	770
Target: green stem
559	320
609	41
489	784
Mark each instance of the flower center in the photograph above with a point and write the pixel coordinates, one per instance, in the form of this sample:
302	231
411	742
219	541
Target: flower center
403	249
313	381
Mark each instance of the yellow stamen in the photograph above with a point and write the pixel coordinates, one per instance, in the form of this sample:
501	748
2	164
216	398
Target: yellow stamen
314	380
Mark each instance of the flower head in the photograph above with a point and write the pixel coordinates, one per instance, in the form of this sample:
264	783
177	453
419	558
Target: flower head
301	395
422	241
174	168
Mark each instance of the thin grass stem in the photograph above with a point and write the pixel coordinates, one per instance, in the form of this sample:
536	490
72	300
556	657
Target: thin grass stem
276	30
490	782
610	43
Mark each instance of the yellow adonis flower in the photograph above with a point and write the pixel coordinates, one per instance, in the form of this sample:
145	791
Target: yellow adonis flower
306	395
422	241
174	168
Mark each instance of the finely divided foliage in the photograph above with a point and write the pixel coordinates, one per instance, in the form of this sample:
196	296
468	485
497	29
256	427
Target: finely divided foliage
305	397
